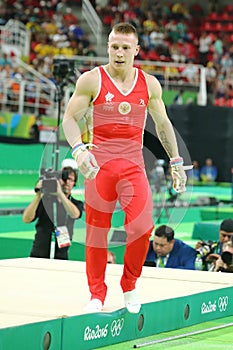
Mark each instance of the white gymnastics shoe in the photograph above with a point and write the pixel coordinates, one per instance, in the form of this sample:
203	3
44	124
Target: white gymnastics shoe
95	305
131	302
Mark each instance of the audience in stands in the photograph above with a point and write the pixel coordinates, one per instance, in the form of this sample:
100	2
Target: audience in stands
170	32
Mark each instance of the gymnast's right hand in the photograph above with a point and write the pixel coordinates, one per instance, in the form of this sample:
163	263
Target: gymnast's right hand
86	162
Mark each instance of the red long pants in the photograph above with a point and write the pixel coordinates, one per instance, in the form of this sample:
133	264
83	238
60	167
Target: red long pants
124	181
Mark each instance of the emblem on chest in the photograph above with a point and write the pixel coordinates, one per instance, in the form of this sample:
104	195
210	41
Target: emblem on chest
124	108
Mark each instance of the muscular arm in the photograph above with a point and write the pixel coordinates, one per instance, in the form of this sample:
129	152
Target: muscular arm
78	105
86	89
163	125
165	131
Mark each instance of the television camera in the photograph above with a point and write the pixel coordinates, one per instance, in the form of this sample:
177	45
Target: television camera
63	68
207	247
49	180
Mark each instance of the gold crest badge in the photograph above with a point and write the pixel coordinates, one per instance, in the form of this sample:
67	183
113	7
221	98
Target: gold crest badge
124	108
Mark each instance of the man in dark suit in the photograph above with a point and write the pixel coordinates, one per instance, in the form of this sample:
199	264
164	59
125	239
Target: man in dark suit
166	251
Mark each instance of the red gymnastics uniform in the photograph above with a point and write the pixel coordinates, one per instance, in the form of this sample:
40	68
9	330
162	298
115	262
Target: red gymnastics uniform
118	123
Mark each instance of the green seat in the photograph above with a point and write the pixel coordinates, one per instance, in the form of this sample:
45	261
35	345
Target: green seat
206	231
216	213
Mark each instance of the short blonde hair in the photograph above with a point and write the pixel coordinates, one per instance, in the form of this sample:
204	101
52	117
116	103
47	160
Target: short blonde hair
124	28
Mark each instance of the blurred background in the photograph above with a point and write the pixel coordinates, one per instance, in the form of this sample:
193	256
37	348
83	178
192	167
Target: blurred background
187	46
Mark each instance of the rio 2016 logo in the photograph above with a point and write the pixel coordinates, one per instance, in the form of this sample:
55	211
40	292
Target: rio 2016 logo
99	332
116	327
221	304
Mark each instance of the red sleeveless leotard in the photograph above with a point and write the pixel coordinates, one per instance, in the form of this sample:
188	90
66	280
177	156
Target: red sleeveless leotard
119	118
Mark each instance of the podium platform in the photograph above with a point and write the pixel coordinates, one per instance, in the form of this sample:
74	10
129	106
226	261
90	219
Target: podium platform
42	304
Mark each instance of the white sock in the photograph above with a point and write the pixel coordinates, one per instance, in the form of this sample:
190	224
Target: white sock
94	305
132	302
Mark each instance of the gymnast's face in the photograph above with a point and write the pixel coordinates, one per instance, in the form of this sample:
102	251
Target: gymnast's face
161	245
122	48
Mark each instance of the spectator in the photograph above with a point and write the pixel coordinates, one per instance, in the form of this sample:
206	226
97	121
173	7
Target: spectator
171	31
34	131
166	251
157	175
156	38
211	73
226	62
218	47
149	24
179	10
5	60
194	174
111	257
208	171
190	72
220	88
178	99
204	43
176	52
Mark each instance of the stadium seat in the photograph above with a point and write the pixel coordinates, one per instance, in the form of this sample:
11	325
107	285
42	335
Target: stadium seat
206	26
224	17
229	103
228	27
231	38
218	27
228	9
220	102
213	16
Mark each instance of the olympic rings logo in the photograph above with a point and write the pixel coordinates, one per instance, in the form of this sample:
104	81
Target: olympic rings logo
116	327
222	303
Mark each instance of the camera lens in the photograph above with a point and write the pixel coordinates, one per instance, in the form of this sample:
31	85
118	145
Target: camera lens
227	258
65	175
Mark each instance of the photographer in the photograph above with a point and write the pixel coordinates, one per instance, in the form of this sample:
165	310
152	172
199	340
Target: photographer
211	251
55	212
225	262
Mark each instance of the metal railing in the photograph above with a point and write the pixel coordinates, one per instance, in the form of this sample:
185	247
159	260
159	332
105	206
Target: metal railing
169	74
93	21
15	37
27	97
37	94
34	94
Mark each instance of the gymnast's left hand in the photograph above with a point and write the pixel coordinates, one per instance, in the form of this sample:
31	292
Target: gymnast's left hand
87	164
179	178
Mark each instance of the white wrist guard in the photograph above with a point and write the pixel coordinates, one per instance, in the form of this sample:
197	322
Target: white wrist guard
175	163
81	147
86	161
